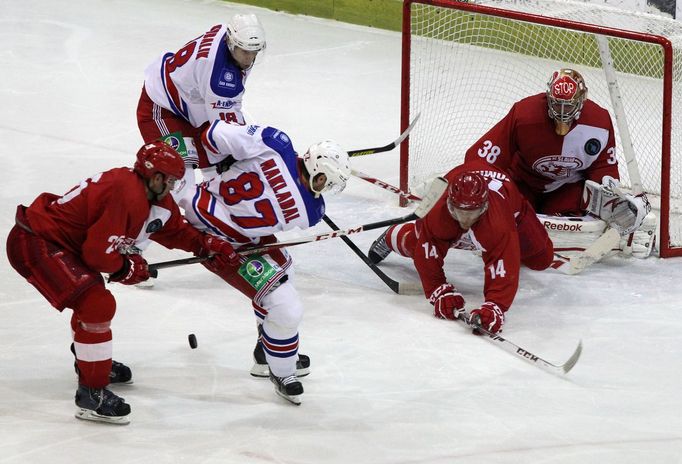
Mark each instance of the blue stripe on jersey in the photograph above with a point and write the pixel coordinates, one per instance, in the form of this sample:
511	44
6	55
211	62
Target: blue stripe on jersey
200	215
209	136
280	142
181	113
226	78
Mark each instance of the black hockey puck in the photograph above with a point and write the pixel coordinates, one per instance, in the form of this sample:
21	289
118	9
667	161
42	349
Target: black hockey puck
192	339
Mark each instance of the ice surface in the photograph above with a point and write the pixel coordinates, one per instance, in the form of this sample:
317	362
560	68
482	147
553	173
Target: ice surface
390	383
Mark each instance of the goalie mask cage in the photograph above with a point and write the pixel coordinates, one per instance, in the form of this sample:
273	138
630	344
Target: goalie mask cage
465	64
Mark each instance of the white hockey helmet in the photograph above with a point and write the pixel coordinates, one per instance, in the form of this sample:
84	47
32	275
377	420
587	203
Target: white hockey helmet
246	32
330	159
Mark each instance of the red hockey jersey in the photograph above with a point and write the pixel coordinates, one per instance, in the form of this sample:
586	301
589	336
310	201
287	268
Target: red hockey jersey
525	144
107	214
494	234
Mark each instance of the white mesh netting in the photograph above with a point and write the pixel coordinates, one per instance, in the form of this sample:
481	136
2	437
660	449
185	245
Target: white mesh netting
467	69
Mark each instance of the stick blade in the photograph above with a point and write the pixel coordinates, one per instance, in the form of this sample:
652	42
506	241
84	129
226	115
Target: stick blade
407	131
596	251
433	194
573	360
410	288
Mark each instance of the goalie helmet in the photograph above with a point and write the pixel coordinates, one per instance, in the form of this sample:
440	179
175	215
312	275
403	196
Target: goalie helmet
159	157
566	94
330	159
246	32
467	198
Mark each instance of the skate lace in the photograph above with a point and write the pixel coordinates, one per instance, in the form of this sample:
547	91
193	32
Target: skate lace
108	398
288	380
380	247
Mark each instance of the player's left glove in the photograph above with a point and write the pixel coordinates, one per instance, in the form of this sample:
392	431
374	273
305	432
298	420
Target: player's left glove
489	316
221	253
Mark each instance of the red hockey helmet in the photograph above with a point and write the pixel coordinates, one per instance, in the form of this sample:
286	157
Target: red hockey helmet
469	190
159	157
467	198
566	94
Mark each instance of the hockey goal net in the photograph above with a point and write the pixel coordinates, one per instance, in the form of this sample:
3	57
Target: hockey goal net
465	64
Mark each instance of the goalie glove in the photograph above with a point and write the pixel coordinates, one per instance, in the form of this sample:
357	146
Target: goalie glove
447	302
623	211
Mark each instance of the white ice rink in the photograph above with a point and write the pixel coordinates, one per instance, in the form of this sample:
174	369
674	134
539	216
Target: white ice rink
390	384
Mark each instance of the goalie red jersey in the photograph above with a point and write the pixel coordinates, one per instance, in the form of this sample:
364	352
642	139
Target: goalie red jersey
527	145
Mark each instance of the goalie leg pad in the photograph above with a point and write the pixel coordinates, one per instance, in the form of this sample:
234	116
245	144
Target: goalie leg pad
643	240
571	235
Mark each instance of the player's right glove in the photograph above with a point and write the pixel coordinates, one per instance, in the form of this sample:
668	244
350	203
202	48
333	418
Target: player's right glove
133	271
447	302
221	253
489	316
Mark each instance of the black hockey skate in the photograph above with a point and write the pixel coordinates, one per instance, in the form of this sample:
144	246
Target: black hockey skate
260	365
120	373
288	388
101	405
379	250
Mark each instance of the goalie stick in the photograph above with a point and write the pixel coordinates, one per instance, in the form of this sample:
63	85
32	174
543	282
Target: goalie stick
593	253
436	190
401	288
558	369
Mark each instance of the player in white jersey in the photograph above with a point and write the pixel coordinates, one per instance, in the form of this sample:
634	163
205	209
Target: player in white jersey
265	188
198	84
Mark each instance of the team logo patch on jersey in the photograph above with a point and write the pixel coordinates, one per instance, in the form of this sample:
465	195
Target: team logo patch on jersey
227	79
154	226
257	271
254	268
592	147
557	167
173	141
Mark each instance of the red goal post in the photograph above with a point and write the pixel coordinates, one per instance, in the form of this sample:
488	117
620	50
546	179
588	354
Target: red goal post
465	64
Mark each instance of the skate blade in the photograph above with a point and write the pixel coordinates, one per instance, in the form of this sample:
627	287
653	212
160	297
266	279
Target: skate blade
262	371
114	384
293	399
89	414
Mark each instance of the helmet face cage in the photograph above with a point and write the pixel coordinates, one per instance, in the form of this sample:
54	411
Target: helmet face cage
566	93
159	157
330	159
246	32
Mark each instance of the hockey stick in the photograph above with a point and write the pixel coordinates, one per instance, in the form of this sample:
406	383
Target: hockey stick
390	146
436	190
516	350
593	253
570	266
401	288
385	186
